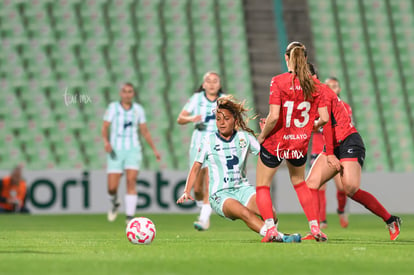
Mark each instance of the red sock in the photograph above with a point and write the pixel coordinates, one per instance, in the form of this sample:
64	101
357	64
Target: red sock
371	203
341	196
322	205
264	202
308	198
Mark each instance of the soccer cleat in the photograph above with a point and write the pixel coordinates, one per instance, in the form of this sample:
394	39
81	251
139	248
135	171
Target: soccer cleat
343	220
308	237
113	212
394	228
201	226
272	236
323	225
292	238
318	234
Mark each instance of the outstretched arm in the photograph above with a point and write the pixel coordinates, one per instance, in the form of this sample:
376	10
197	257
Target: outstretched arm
195	170
185	117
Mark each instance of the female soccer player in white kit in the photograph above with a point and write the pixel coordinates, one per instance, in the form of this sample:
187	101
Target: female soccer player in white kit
199	110
126	119
225	153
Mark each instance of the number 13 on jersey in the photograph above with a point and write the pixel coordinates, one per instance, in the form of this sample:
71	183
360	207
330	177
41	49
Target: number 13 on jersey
304	107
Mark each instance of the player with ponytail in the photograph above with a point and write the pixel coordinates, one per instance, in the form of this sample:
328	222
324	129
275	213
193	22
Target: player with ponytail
294	104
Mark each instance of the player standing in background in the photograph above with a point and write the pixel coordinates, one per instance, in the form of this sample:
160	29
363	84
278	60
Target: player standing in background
199	110
126	119
318	143
343	142
294	103
225	152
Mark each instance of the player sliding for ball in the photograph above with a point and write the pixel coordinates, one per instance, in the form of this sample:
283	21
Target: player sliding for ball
225	153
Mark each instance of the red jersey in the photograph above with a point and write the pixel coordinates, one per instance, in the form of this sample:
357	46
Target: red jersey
289	138
318	142
340	124
12	191
348	109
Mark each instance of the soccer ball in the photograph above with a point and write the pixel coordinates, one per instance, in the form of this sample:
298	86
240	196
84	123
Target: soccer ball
140	231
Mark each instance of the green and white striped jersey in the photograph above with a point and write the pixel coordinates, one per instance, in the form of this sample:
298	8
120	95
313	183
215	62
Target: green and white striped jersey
199	104
226	160
124	125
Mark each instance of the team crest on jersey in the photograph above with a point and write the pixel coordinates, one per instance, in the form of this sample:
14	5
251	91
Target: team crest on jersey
242	143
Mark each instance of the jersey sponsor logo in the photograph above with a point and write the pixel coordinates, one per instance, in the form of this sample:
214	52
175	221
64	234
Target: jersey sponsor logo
288	154
295	137
219	148
210	117
216	198
242	143
127	124
231	161
230	180
297	87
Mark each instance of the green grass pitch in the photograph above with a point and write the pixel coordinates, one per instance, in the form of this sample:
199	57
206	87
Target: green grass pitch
88	244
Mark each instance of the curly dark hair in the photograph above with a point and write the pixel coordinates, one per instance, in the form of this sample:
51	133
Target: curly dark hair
238	110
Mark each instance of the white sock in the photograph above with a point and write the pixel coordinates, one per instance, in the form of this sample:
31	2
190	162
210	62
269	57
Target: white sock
313	222
269	223
205	213
263	230
199	203
130	204
113	198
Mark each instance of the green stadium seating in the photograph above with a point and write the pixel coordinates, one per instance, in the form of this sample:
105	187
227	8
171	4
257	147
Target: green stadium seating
90	47
388	88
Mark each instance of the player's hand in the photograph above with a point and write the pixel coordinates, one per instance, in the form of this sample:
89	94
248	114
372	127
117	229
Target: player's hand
196	118
108	147
262	123
316	127
157	155
184	197
334	162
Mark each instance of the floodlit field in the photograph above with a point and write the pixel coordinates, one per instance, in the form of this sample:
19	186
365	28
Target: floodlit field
88	244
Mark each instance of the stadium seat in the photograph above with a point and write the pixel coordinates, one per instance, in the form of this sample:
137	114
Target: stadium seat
62	48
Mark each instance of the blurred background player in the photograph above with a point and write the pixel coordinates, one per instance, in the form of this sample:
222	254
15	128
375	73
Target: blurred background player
317	145
13	192
344	143
225	152
200	111
126	119
294	103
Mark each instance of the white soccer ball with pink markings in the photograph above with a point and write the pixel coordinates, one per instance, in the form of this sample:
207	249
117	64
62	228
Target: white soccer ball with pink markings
140	231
